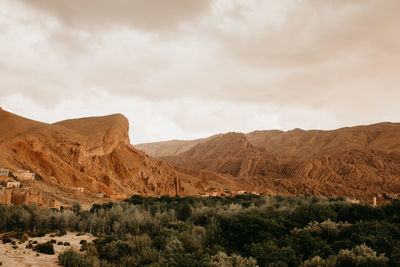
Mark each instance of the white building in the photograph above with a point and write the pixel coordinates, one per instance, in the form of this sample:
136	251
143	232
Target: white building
79	189
4	172
24	175
13	184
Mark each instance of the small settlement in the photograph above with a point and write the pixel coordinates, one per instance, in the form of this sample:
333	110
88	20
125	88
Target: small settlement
13	192
218	192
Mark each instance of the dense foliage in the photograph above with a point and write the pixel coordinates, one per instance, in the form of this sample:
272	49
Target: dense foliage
46	248
242	231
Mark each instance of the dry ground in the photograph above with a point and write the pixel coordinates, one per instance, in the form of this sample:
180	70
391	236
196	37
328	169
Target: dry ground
23	257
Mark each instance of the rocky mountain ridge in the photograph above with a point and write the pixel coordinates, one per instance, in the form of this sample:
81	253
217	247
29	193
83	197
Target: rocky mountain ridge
91	153
359	161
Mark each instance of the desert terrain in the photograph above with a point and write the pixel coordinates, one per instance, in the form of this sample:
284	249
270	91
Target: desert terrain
25	257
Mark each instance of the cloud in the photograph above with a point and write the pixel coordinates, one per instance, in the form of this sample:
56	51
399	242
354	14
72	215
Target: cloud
149	15
314	32
296	58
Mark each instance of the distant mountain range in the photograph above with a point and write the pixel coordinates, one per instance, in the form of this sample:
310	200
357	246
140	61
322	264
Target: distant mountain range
359	161
95	154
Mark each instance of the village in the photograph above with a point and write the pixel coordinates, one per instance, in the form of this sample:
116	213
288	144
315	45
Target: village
14	192
218	192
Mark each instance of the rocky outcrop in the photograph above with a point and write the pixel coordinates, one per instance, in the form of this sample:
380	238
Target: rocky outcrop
101	134
93	153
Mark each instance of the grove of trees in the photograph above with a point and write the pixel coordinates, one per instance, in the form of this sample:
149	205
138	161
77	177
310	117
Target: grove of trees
245	230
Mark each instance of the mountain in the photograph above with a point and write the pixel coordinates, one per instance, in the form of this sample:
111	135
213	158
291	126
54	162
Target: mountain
303	144
170	148
93	153
356	161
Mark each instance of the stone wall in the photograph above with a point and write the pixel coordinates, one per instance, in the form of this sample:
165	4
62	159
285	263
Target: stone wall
6	196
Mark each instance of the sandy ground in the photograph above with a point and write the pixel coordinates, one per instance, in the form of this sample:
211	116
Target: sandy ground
23	257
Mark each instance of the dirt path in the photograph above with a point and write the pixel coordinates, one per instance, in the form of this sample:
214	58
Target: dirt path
23	257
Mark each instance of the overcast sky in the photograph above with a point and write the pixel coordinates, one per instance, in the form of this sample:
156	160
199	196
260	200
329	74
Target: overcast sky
184	69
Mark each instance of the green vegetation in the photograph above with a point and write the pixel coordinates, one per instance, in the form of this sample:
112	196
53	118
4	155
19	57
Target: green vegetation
241	231
46	248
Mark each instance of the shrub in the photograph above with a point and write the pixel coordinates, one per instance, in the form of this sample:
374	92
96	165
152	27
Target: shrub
53	241
6	240
221	259
45	248
24	237
72	258
61	233
60	243
67	244
358	256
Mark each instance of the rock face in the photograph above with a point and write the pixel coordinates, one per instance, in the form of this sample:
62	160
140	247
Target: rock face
93	153
358	161
102	134
303	144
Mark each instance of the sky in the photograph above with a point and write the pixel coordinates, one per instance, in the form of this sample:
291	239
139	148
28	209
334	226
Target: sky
185	69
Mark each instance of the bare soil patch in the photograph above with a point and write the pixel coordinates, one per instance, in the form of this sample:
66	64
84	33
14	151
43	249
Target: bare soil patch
25	257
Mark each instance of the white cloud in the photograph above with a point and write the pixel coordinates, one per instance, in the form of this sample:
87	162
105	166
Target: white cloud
225	66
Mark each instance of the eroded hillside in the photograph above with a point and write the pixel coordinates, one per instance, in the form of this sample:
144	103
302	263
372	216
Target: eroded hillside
358	161
91	153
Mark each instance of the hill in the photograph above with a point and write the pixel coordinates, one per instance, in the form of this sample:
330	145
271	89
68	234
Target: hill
359	161
92	153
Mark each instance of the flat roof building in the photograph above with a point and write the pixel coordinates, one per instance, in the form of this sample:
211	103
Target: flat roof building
4	172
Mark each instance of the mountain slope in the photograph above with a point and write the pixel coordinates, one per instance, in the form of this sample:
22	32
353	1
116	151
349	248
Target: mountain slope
93	153
306	144
359	161
13	125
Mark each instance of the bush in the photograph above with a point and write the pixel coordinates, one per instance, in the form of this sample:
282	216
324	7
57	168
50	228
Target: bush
221	259
358	256
61	233
53	241
45	248
6	240
24	237
60	243
72	258
67	244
